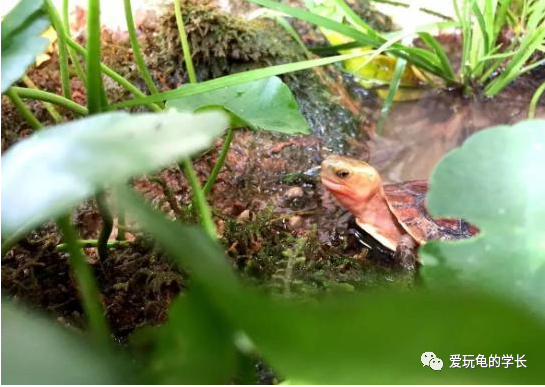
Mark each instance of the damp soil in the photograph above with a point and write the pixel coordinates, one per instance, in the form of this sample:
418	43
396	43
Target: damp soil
280	228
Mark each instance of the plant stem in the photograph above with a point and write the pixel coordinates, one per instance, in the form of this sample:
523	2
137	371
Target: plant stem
86	282
62	48
96	103
113	75
171	198
88	243
185	44
53	112
121	220
84	276
144	72
219	162
200	199
107	225
121	226
41	95
23	109
535	100
95	89
73	55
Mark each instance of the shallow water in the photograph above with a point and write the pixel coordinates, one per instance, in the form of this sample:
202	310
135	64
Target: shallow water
417	134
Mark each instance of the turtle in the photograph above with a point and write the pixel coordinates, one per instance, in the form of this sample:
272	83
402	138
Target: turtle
394	215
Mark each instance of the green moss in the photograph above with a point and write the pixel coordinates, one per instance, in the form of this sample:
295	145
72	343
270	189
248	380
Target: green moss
293	265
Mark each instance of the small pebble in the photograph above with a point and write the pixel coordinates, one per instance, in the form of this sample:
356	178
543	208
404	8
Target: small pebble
244	216
295	222
294	193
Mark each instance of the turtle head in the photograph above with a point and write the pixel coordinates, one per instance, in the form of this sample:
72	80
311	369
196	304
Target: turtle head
353	182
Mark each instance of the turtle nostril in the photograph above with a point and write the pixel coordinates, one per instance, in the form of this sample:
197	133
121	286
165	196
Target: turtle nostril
342	173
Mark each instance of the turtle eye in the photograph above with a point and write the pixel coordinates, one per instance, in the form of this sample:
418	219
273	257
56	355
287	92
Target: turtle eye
342	173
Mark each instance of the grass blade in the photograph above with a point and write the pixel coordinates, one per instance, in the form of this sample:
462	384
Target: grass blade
355	20
527	48
367	39
439	51
501	17
394	86
235	79
535	100
321	21
478	49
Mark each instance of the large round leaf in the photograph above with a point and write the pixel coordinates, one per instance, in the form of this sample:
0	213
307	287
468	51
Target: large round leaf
496	181
372	338
266	104
38	351
21	40
55	169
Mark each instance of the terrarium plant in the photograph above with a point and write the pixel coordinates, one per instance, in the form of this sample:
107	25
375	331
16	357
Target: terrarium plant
220	327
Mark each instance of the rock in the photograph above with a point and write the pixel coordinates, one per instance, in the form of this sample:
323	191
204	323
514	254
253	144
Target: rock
294	193
295	222
244	216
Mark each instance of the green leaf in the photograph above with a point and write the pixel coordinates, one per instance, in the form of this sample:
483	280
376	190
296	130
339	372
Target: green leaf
21	15
378	338
194	339
263	104
392	90
528	46
369	37
38	351
494	181
439	51
55	169
190	248
21	40
372	338
235	79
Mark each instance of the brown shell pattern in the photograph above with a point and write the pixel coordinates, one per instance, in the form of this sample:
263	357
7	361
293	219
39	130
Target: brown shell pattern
406	200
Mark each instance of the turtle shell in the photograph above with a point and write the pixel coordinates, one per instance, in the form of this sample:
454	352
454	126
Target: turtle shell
406	201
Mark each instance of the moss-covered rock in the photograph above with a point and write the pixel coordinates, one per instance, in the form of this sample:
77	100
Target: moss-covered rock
224	44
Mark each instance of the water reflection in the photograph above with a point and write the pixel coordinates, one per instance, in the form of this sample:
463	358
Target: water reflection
418	133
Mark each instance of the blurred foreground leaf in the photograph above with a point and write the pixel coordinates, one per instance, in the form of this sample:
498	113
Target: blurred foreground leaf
266	104
55	169
495	180
38	351
21	40
195	345
365	338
